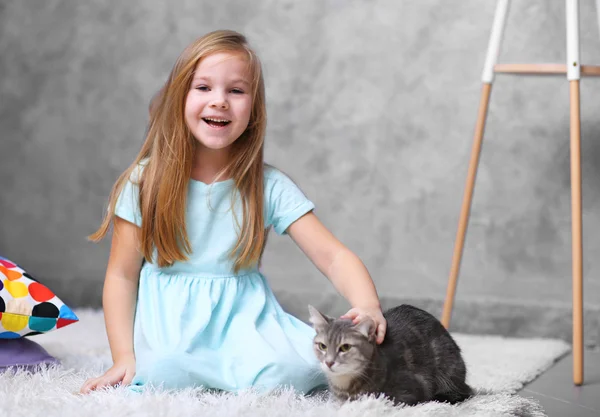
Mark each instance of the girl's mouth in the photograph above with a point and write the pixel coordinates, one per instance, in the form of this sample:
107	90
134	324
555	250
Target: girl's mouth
216	123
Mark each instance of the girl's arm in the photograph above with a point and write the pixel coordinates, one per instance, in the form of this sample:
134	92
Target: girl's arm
343	268
119	300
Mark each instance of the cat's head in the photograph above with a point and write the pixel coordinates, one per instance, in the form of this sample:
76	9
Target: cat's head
343	348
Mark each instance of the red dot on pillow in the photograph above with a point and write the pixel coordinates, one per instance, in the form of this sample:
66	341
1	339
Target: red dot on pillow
40	292
7	264
64	322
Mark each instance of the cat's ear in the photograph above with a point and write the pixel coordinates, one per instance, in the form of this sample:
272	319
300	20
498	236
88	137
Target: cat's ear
318	319
366	327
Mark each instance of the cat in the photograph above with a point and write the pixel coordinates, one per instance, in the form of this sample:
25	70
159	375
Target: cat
418	360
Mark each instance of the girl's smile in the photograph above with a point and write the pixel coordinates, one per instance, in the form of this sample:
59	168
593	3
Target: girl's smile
216	123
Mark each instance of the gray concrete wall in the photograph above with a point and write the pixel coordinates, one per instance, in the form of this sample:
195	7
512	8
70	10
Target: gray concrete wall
372	107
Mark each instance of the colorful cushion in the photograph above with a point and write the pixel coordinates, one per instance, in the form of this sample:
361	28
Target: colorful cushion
26	306
23	353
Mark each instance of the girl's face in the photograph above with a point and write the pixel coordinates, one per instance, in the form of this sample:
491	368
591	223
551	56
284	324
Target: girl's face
218	105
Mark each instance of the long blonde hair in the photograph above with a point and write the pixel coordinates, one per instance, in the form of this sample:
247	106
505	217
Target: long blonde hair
169	150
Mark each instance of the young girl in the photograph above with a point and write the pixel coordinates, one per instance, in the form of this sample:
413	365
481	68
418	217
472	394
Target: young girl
184	301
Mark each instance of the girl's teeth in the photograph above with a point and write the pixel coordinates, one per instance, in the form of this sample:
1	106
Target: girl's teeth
216	122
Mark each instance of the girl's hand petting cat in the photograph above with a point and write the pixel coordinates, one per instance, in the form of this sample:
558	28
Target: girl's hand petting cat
374	313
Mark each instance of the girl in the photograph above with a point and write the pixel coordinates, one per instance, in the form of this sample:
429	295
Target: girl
184	301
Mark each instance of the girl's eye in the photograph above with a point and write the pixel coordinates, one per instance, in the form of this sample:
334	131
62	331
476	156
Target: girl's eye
345	347
202	88
237	91
322	346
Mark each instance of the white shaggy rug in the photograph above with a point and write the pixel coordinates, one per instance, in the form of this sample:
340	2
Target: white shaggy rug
497	368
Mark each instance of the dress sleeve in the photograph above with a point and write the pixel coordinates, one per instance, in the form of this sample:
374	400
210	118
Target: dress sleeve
286	203
128	206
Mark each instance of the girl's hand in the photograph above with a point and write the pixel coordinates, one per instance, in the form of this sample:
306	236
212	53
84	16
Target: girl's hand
121	372
375	314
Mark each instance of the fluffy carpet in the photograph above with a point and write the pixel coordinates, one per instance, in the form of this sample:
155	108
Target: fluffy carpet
497	367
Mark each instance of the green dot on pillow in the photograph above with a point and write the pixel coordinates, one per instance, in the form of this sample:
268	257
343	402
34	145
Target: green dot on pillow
41	324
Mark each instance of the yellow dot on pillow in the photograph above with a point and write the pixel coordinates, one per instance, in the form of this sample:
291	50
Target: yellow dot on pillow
16	289
14	322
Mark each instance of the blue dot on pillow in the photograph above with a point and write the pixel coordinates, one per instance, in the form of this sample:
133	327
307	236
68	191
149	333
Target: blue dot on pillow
41	324
67	313
9	335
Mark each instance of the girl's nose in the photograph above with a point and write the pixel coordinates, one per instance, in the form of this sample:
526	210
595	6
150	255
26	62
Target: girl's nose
219	104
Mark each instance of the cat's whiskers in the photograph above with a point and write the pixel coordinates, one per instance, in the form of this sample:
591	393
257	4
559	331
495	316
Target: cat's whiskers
364	376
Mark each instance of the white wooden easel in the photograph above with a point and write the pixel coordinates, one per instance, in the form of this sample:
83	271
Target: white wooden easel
573	69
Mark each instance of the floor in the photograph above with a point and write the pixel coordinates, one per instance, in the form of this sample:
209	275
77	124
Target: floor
558	396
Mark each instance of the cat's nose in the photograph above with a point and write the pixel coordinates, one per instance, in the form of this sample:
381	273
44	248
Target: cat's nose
329	363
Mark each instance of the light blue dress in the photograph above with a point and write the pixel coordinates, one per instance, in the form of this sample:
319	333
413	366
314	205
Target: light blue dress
199	324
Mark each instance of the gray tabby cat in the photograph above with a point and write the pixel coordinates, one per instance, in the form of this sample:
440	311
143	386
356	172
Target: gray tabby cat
418	360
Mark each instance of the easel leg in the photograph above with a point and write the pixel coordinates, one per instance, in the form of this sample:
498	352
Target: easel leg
487	79
466	203
577	236
573	75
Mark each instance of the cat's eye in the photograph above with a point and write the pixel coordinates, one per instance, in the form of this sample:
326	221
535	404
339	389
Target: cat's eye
322	346
345	347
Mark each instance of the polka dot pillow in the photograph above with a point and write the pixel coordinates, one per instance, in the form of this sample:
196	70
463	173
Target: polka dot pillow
26	306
